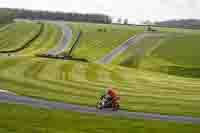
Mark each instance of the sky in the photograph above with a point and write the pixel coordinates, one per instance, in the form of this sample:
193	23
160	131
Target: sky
134	10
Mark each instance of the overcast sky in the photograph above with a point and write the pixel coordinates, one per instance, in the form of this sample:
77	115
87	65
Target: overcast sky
134	10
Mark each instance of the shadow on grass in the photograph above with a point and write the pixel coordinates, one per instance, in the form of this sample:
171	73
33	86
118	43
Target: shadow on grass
134	62
181	71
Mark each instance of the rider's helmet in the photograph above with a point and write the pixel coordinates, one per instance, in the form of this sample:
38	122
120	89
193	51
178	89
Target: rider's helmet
111	92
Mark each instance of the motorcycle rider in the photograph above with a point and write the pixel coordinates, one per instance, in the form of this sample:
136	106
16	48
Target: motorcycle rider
111	95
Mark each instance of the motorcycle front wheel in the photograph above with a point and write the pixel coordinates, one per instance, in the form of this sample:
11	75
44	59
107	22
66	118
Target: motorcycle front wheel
99	106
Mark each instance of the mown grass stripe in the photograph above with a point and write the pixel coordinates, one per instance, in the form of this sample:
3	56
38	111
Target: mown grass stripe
21	41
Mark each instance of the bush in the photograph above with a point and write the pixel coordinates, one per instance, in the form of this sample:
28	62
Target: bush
6	16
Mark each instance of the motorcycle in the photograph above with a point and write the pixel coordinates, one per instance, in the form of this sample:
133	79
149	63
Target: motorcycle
105	102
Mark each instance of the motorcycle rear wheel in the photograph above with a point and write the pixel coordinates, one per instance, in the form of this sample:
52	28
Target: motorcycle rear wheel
116	108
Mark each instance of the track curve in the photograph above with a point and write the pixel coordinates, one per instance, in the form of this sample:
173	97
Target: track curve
62	44
122	47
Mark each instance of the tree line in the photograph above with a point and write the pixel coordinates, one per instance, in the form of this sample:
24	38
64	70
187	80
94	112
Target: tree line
6	16
48	15
181	23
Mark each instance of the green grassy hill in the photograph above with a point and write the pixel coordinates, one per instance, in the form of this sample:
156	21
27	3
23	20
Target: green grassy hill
181	50
134	55
98	39
81	83
175	53
1	25
48	39
17	35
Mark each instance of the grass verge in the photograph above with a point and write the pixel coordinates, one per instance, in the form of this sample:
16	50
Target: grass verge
23	119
